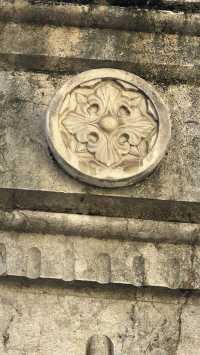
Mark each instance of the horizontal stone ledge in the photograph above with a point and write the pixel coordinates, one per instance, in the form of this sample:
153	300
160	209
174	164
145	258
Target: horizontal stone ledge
153	56
185	4
173	5
113	17
160	73
104	261
102	291
99	227
101	205
95	290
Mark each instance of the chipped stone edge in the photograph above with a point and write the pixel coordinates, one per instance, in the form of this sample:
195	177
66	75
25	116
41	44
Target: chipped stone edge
38	256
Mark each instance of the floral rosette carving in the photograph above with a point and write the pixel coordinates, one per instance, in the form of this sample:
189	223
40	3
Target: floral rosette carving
109	122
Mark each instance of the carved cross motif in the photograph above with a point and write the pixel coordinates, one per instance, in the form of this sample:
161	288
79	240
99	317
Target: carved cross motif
108	127
113	124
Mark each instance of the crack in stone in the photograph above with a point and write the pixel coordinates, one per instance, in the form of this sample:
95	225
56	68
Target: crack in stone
6	334
192	258
179	320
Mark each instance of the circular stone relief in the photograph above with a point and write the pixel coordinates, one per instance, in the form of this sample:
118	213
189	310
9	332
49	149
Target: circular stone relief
108	127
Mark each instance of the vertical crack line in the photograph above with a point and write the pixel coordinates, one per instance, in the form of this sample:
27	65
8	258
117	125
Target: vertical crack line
180	314
6	335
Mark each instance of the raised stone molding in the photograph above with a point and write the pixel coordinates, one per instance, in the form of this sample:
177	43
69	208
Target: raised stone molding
99	249
106	261
100	227
108	127
174	65
95	204
33	263
113	17
191	4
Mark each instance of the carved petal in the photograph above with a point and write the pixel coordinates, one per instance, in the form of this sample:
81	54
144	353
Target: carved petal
133	98
83	131
74	123
99	148
69	104
109	94
108	150
139	126
134	151
82	101
130	108
136	134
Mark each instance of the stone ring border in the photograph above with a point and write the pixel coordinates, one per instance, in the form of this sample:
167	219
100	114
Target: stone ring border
154	156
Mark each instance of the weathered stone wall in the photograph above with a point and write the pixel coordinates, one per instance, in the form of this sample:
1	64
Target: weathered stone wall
56	320
87	270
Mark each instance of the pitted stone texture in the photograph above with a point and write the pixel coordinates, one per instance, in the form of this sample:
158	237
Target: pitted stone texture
104	261
155	56
56	321
113	17
27	162
108	127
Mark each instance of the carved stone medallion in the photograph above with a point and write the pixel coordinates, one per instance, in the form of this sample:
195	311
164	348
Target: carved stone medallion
108	127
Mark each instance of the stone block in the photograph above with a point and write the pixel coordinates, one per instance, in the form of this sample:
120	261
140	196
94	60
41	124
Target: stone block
79	321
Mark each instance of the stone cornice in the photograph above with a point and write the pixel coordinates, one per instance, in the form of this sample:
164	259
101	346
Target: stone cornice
101	205
103	16
183	4
26	221
44	48
81	248
96	249
131	27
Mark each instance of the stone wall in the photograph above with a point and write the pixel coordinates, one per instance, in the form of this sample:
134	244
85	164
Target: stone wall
88	270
